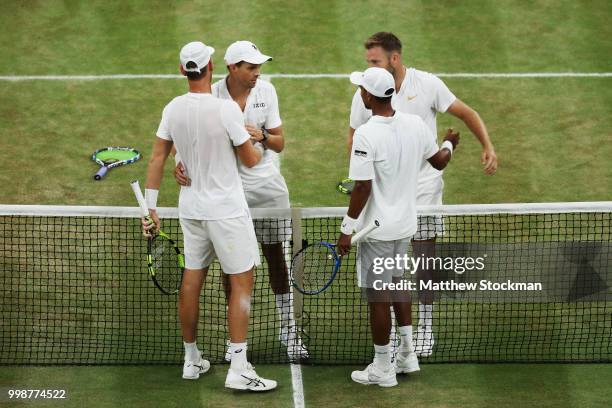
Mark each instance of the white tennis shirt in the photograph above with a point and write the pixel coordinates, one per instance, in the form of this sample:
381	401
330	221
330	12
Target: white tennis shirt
204	130
390	151
261	111
422	94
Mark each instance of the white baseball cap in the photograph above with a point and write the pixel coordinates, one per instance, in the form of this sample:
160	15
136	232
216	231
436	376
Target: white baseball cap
245	51
377	81
198	53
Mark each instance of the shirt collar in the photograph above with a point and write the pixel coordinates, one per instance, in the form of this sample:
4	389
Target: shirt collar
382	119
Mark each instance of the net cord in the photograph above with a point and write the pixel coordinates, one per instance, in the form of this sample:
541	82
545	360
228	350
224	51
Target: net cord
315	212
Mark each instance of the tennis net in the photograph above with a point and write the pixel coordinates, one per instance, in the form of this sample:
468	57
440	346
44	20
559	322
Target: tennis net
74	289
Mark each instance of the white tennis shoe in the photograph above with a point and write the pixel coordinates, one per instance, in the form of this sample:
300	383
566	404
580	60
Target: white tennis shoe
373	375
406	363
247	379
193	369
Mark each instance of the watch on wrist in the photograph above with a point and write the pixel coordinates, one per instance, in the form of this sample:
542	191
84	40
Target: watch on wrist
264	134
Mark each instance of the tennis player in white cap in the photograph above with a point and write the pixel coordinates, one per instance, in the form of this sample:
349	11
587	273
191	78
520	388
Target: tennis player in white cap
263	184
423	94
208	134
386	155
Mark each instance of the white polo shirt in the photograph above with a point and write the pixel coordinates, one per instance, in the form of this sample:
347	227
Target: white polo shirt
261	111
390	151
204	129
422	94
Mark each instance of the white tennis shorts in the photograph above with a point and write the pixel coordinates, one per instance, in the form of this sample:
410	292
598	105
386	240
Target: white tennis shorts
370	261
273	194
429	226
232	241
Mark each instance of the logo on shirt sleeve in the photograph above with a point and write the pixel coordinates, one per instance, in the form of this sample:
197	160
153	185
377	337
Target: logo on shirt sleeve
361	153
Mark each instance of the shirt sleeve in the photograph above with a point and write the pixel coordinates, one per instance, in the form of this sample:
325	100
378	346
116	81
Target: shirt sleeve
359	113
273	119
430	144
362	158
233	121
443	97
163	131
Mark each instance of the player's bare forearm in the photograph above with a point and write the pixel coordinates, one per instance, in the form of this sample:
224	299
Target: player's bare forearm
161	150
472	120
276	140
351	134
440	160
488	157
359	197
248	154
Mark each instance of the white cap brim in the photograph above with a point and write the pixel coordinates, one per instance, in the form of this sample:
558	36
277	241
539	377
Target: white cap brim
356	78
256	59
359	79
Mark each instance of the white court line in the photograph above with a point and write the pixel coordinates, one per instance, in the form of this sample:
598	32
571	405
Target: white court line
18	78
296	369
298	387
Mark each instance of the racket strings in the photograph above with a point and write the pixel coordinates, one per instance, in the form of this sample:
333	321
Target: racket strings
164	261
116	156
318	263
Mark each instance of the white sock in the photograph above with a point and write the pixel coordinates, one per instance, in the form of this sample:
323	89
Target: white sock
191	352
425	316
284	307
382	357
406	345
239	356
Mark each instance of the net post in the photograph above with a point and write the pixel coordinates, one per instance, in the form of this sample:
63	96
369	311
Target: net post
298	274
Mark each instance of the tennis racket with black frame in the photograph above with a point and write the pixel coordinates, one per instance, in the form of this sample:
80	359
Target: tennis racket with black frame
165	262
111	157
314	267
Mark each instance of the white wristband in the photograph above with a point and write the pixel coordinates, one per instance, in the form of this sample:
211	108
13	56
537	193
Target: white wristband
177	158
447	145
151	198
348	225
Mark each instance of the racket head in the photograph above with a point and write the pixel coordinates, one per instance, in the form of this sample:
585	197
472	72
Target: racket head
165	263
314	268
115	156
346	186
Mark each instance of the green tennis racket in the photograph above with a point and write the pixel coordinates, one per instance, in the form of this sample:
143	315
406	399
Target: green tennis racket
346	186
164	259
110	157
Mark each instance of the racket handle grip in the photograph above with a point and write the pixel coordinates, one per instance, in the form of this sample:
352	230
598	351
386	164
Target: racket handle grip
101	173
140	198
361	234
